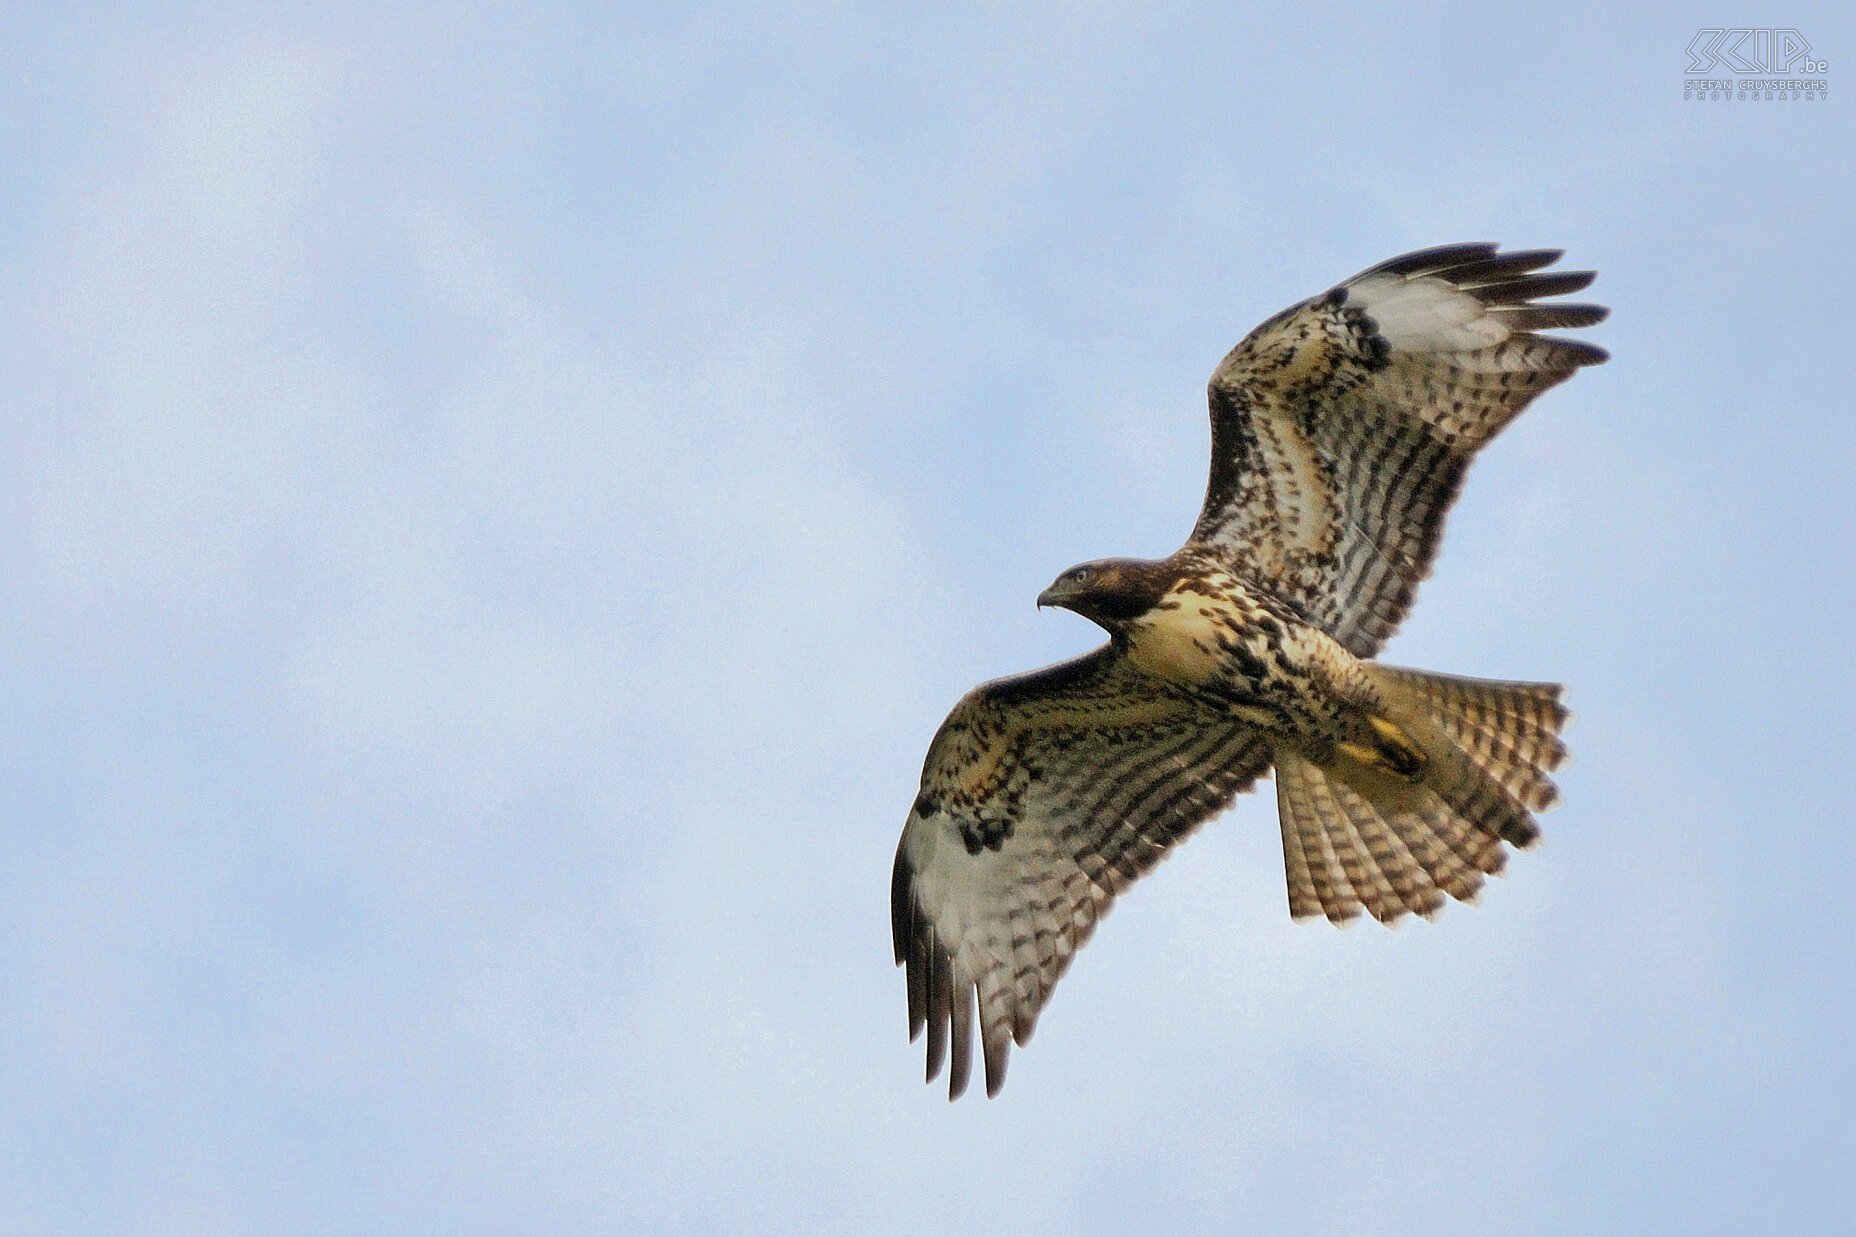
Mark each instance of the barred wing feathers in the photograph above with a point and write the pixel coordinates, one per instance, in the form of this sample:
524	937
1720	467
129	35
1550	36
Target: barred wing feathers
1044	797
1342	427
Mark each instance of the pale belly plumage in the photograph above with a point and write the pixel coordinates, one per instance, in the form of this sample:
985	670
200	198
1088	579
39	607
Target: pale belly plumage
1217	637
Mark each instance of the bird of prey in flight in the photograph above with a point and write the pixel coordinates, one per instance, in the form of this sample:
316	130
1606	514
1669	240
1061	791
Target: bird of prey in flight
1341	432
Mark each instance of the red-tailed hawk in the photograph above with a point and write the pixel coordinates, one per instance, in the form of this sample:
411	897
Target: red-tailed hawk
1341	431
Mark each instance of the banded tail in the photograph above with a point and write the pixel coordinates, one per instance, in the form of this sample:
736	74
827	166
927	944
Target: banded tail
1377	834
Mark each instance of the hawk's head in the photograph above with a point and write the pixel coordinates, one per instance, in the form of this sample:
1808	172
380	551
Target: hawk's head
1111	592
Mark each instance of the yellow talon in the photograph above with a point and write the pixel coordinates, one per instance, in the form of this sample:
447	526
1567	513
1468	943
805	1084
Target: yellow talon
1393	750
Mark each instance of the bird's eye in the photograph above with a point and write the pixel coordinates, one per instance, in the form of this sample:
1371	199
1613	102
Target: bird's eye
1081	574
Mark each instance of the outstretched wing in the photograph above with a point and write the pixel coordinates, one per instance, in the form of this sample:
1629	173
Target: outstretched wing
1044	796
1342	427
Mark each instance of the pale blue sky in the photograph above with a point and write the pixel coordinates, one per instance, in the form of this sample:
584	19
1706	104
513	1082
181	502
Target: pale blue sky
493	506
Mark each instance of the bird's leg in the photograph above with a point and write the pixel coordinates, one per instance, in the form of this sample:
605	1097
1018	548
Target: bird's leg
1387	747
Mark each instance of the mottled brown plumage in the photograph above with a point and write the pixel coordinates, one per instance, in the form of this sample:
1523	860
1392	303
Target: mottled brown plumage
1341	432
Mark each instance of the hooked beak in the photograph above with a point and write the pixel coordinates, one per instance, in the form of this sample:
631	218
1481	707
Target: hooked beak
1055	595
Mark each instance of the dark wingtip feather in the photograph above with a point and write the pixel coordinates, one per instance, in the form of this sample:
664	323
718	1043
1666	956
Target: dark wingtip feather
916	980
940	986
1436	258
997	1030
901	906
1504	266
1550	317
906	932
1577	352
960	1067
1531	287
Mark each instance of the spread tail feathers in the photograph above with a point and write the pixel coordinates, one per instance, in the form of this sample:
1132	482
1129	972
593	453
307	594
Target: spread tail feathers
1356	833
